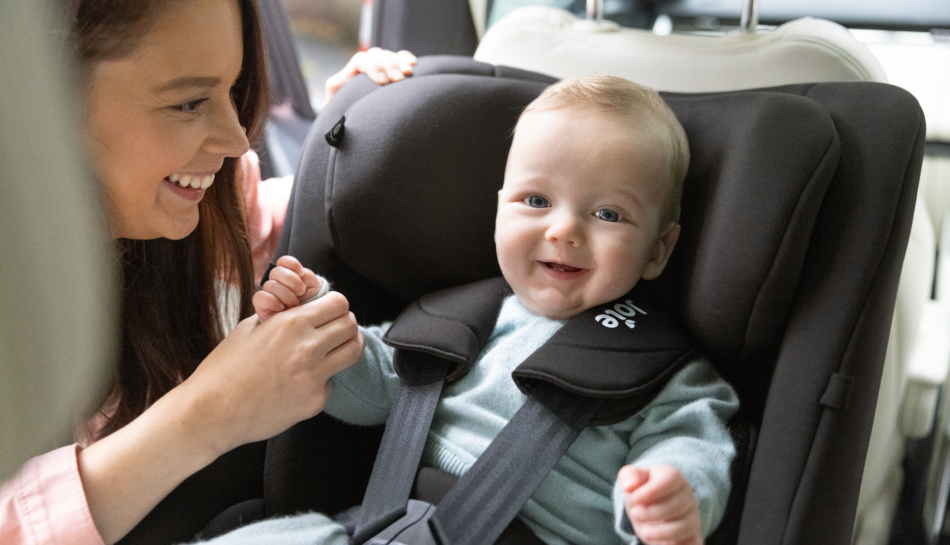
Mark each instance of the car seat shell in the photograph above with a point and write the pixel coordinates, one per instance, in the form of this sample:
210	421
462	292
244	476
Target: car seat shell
830	380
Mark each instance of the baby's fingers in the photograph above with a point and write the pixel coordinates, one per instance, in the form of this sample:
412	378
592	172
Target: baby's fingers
631	477
313	283
677	532
290	262
266	305
289	279
287	297
673	507
663	482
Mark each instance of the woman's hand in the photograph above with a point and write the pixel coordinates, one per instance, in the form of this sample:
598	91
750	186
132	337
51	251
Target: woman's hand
380	65
262	379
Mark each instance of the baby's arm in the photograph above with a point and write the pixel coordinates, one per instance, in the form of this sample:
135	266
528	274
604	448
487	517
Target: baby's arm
290	284
681	438
660	504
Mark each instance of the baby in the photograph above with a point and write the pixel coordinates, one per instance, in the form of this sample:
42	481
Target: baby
589	206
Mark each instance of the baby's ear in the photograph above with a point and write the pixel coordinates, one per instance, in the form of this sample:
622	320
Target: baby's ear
662	249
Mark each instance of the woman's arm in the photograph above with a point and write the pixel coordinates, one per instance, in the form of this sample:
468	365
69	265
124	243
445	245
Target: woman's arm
259	381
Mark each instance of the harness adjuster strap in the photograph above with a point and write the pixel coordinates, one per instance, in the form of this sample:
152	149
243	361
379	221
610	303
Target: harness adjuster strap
394	471
490	495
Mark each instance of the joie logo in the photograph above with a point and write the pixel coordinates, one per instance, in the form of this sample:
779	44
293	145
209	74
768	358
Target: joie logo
621	313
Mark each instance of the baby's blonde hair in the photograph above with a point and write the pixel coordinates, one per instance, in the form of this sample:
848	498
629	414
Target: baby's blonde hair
626	100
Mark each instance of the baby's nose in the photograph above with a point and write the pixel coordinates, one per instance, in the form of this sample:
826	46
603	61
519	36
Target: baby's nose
564	229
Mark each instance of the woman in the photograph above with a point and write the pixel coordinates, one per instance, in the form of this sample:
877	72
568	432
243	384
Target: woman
174	92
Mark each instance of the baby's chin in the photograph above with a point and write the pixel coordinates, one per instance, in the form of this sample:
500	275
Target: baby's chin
554	310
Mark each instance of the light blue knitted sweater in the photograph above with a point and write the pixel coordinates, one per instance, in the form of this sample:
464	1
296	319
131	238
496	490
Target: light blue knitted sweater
684	426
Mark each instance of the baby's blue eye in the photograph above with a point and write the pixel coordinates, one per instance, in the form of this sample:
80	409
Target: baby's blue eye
536	201
608	215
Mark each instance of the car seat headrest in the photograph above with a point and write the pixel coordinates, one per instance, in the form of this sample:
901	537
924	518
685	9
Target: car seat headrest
409	195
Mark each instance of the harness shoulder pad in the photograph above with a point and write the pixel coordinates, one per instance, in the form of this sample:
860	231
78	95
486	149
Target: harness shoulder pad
624	352
451	324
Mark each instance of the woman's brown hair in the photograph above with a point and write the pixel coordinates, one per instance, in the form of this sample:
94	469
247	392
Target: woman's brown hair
170	312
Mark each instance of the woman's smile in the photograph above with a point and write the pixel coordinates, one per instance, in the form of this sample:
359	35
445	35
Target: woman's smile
163	119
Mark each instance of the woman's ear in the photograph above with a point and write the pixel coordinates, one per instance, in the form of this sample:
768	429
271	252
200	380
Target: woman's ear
662	249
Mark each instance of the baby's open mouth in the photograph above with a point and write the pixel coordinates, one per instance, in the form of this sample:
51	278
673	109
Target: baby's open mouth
560	267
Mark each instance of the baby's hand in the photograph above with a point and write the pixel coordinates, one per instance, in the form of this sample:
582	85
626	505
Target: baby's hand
289	285
660	505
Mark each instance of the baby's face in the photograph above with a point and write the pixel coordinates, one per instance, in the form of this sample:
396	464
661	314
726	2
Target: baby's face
579	216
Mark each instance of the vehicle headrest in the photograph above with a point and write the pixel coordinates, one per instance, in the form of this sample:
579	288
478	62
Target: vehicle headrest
410	187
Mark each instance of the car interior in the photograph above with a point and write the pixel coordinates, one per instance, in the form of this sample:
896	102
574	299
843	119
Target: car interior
810	127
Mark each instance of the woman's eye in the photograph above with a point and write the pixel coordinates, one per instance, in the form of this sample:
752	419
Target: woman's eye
608	215
536	201
190	107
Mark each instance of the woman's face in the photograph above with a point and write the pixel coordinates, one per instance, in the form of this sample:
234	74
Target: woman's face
165	113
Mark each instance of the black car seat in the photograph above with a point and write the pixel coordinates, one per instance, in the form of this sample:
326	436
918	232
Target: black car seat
796	213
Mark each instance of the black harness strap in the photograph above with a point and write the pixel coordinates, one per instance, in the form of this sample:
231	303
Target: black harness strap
399	454
490	494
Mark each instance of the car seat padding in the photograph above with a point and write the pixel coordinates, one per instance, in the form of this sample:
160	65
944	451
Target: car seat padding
622	351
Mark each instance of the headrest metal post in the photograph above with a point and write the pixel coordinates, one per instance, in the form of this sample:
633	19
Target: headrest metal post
595	10
750	16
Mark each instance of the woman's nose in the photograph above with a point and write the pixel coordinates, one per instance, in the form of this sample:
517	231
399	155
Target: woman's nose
228	137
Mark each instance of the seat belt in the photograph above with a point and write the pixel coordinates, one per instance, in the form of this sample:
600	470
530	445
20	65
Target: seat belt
489	496
492	492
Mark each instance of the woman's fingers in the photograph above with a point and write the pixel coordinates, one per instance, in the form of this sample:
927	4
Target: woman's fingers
334	334
344	355
322	311
379	65
382	66
406	61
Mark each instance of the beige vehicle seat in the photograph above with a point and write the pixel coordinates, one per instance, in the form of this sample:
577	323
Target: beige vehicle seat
56	329
556	42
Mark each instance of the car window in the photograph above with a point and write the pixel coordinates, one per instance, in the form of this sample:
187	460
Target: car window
327	34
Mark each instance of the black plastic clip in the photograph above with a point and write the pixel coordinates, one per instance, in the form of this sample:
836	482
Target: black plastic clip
335	135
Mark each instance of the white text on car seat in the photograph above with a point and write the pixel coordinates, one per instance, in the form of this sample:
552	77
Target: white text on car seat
621	312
